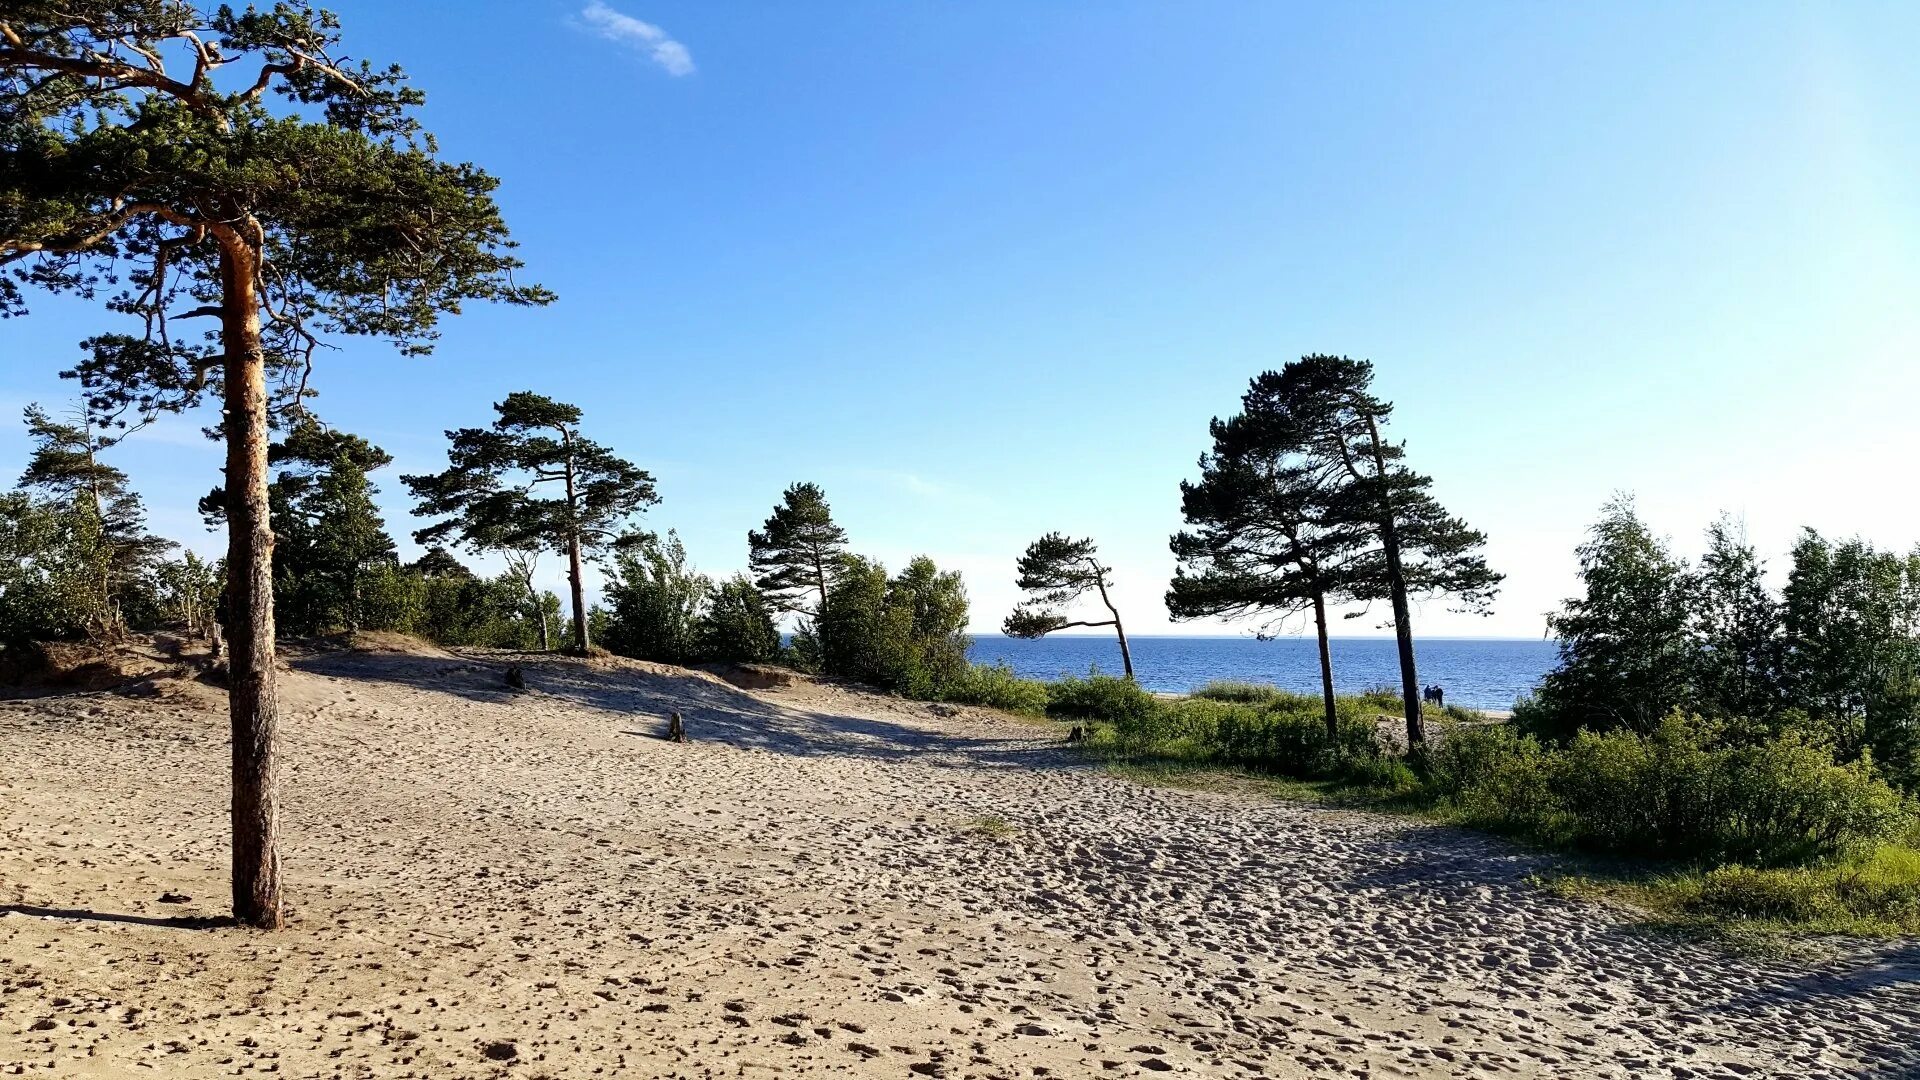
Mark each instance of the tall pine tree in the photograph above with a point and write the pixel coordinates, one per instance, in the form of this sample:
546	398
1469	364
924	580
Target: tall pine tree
486	498
188	161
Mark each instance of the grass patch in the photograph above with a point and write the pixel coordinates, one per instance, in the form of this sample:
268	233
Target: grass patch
1873	894
993	828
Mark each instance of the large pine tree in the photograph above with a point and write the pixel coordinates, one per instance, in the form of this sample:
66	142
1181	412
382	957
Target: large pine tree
486	498
183	162
799	553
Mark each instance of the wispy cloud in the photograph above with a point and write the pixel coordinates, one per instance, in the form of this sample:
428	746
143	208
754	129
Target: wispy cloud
618	26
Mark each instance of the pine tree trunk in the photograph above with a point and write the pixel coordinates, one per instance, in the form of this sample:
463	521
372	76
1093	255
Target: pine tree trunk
581	642
253	707
579	589
1126	654
1326	664
1397	587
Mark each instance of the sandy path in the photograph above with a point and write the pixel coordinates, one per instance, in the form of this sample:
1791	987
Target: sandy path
807	889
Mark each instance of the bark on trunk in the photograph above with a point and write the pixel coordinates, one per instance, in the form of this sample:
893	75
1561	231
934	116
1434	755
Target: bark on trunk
1326	664
1397	587
581	642
253	706
1126	654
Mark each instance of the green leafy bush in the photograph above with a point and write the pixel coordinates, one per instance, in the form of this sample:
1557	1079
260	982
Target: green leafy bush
996	687
1117	701
1679	792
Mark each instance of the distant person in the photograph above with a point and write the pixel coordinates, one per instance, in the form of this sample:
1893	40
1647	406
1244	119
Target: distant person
1440	696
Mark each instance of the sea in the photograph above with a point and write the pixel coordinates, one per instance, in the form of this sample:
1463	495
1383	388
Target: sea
1480	673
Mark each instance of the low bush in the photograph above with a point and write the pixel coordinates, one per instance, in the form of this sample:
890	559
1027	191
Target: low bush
1677	793
996	687
1106	698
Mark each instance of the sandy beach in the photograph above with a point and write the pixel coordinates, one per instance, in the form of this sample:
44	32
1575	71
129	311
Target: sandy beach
822	882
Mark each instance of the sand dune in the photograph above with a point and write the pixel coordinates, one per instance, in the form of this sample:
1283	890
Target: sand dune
823	882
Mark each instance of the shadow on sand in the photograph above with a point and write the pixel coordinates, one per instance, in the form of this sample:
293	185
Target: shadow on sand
639	698
174	922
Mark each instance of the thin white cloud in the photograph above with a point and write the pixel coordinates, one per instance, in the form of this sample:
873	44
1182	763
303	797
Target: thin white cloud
620	27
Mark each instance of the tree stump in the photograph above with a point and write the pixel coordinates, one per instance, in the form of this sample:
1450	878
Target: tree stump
676	728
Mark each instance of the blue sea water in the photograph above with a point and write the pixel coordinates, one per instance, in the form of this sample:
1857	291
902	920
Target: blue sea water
1479	673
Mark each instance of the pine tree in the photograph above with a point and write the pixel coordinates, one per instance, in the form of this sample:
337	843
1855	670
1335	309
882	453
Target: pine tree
1055	571
131	143
328	532
1420	549
486	497
1272	534
102	514
799	550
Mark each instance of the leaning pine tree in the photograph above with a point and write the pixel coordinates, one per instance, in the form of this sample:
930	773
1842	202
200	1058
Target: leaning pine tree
1270	535
485	498
1055	571
1419	549
296	198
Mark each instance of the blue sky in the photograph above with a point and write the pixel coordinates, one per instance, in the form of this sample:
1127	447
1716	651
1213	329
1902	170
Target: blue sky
985	270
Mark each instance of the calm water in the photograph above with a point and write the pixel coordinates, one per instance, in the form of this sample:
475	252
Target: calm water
1476	672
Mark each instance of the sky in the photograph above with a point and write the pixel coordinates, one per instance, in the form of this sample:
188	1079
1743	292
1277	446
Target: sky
986	270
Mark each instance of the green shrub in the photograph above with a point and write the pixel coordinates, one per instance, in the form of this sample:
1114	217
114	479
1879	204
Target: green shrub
1496	778
1677	793
1242	692
996	687
1120	702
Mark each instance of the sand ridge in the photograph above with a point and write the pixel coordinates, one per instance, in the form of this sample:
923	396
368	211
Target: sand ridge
823	882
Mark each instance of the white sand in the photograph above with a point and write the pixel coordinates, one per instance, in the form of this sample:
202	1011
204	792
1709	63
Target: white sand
805	889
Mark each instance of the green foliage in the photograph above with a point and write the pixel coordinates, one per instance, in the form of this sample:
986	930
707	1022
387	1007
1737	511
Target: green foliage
111	557
328	533
1626	655
448	609
486	498
1678	792
1055	571
46	589
1737	626
737	626
996	687
798	552
1246	693
654	603
906	633
1852	618
1836	657
1120	702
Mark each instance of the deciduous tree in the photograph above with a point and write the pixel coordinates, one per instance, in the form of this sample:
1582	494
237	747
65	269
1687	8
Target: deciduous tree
299	197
